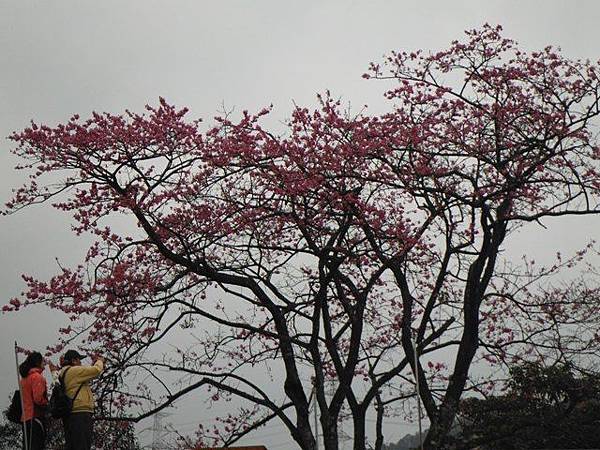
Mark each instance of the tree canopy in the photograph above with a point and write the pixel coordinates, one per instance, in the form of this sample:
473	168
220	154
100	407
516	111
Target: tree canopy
299	266
543	407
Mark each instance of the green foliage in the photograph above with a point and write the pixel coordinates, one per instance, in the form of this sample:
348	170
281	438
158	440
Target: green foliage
10	435
544	407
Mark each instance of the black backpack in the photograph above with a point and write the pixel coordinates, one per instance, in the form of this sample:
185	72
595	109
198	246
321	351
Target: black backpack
60	403
15	410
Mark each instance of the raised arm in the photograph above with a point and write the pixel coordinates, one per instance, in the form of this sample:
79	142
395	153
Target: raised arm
85	373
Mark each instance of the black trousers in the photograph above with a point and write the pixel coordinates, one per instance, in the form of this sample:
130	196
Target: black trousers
34	434
78	431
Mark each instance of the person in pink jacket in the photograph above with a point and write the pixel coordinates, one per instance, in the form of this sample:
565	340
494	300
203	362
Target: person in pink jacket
35	399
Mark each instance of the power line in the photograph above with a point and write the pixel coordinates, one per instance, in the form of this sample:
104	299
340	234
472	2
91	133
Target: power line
390	422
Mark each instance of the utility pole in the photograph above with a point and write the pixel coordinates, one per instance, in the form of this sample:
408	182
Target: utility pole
418	390
26	439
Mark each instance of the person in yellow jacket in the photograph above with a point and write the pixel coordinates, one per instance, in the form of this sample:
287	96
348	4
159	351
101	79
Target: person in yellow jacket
76	377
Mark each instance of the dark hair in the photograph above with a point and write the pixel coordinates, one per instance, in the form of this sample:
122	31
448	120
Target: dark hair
70	356
34	359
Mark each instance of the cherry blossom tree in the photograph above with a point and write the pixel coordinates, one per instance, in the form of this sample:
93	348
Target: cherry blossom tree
297	269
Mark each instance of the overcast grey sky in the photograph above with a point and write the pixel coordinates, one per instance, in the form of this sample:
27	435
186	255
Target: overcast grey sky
64	57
